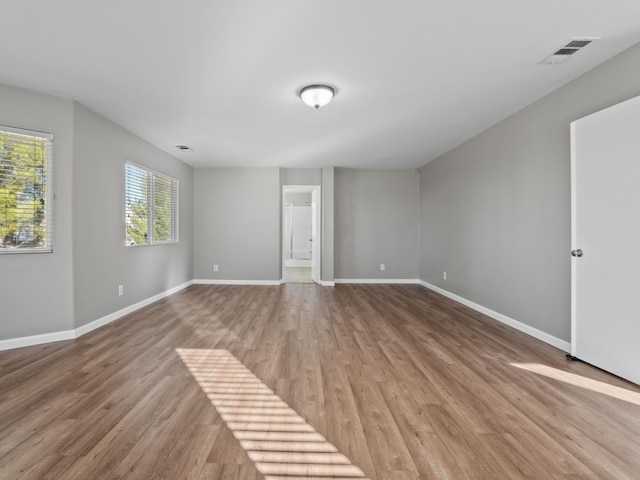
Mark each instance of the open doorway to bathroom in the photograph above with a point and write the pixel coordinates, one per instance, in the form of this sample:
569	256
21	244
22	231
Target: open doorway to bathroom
301	227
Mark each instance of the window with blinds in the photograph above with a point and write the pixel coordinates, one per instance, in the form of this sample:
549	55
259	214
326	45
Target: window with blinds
26	207
151	206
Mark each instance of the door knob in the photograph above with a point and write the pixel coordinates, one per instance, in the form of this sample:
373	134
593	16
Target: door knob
576	253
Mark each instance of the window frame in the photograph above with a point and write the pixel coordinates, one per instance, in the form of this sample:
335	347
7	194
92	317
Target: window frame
48	188
174	210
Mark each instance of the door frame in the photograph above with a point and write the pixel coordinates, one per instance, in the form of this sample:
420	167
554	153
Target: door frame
574	240
316	212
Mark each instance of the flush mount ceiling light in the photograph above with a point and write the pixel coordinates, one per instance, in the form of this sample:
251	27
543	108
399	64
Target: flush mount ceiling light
317	95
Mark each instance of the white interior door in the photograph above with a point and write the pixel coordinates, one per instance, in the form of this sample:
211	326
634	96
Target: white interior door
302	232
315	237
606	233
288	232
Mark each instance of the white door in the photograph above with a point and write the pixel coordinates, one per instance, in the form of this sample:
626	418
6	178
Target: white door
606	239
315	231
302	232
288	232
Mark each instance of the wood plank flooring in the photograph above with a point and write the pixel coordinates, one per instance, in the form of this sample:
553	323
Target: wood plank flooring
405	383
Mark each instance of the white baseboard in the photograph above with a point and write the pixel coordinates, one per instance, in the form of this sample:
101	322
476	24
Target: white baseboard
84	329
127	310
324	283
205	281
20	342
378	280
534	332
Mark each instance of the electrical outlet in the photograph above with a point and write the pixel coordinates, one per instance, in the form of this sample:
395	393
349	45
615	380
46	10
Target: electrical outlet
444	275
215	268
120	290
397	267
382	267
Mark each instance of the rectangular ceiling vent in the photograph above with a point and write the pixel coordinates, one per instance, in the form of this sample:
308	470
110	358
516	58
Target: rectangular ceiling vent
566	51
183	148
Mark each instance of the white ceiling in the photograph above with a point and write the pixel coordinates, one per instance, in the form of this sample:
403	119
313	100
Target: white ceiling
414	78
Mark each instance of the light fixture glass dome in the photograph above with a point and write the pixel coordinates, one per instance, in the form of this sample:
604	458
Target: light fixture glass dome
317	95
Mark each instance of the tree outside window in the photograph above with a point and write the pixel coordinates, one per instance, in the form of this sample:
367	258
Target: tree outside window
151	207
25	167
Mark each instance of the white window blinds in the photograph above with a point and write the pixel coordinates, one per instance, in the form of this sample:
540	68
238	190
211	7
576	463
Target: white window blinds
151	206
26	207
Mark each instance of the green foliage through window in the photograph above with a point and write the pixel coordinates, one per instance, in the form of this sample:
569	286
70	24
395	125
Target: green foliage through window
151	207
25	210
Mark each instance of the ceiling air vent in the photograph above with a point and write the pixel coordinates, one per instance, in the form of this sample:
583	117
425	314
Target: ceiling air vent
566	51
563	53
183	148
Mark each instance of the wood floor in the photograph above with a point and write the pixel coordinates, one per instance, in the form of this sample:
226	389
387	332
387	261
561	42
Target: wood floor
399	382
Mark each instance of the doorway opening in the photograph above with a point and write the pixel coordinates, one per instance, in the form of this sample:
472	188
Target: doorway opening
301	233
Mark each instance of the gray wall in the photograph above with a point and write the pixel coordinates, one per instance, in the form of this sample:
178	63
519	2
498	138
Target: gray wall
377	221
495	211
36	290
327	270
101	260
77	283
301	176
237	223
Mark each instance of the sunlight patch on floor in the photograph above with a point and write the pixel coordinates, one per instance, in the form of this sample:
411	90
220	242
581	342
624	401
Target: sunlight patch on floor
582	382
278	440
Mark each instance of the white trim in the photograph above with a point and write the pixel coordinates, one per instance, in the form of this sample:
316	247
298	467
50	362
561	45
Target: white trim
534	332
574	235
127	310
20	342
27	133
404	281
206	281
84	329
317	210
201	281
